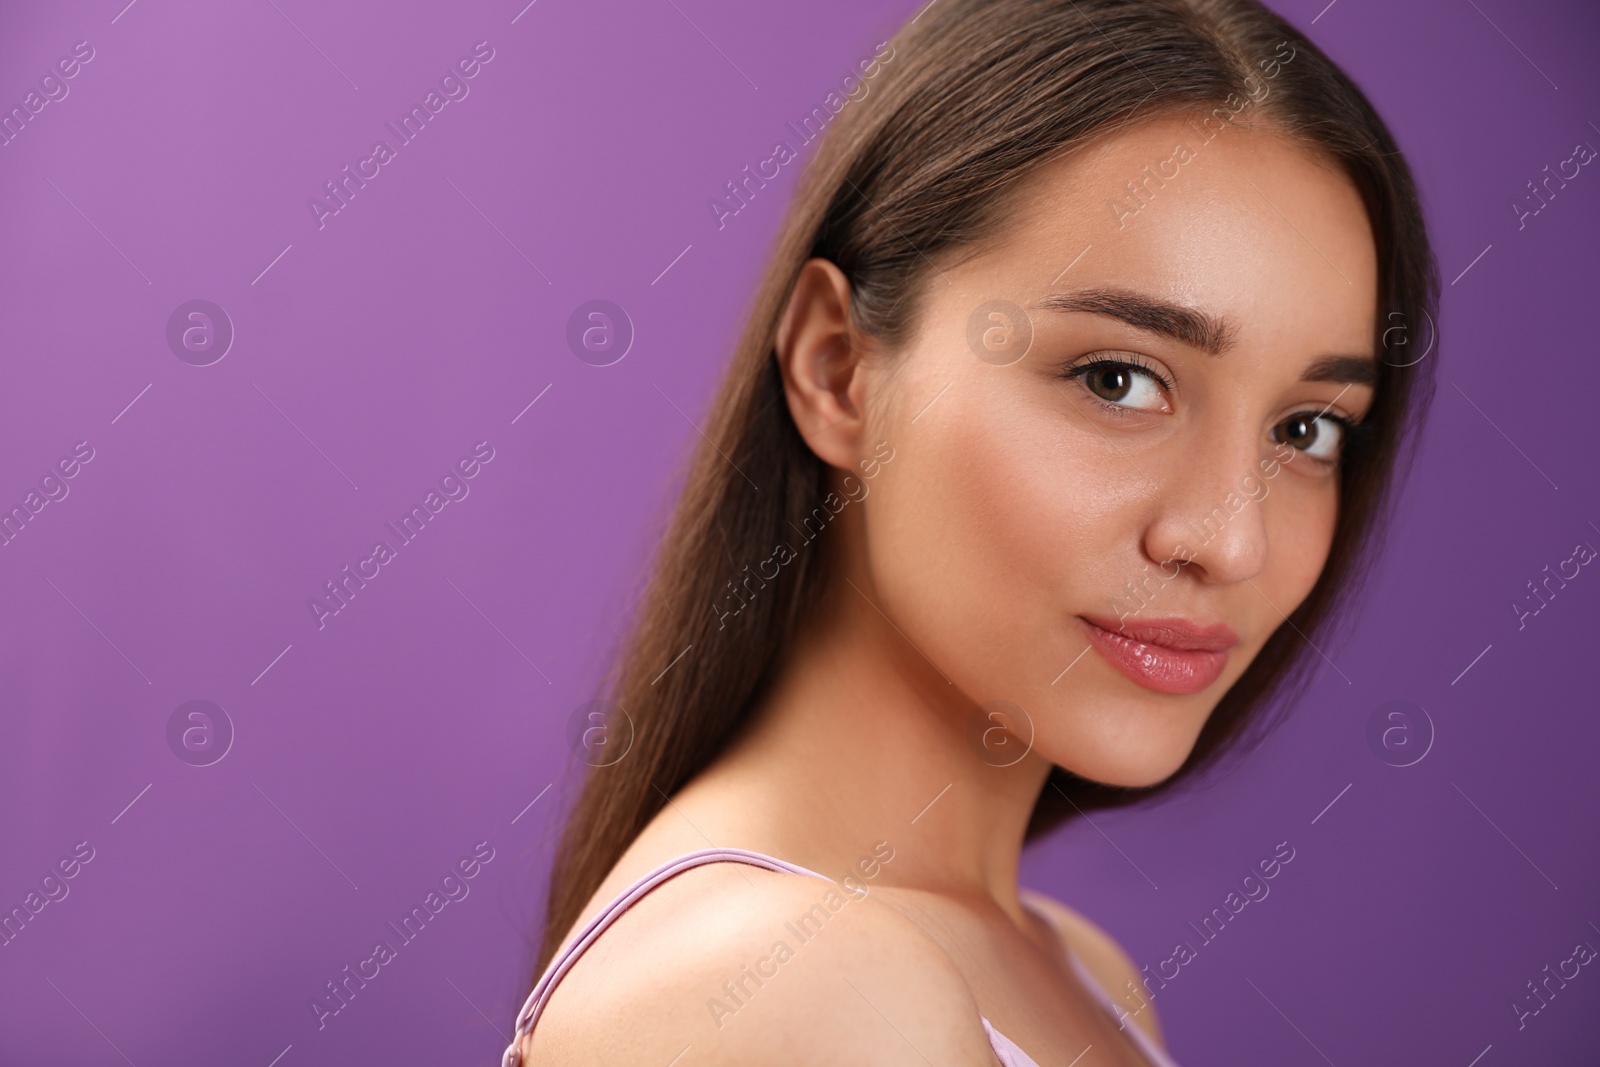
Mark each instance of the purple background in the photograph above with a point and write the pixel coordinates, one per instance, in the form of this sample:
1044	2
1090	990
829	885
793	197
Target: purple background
426	716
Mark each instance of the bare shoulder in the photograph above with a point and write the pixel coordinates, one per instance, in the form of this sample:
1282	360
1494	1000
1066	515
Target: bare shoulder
1104	959
732	964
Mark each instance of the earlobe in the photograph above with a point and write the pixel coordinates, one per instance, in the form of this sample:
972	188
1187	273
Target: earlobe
818	357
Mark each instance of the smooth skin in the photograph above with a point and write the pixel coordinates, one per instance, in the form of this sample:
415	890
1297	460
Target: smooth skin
1019	497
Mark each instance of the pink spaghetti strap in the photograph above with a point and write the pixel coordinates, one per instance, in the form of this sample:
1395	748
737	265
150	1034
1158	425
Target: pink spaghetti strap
1120	1015
564	961
1006	1051
1153	1052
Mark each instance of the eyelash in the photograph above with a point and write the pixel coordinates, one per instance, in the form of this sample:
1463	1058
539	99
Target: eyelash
1131	361
1352	435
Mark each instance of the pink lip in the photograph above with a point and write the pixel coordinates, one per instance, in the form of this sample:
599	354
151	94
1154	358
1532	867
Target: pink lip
1167	655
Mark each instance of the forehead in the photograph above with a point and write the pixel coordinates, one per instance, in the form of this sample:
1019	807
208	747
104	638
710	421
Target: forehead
1240	222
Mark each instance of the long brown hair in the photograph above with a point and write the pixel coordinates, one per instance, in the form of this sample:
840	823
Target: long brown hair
975	95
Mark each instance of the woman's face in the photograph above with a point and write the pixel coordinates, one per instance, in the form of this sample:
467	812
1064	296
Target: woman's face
1161	460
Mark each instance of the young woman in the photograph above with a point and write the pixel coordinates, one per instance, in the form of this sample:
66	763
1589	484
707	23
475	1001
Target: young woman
1062	422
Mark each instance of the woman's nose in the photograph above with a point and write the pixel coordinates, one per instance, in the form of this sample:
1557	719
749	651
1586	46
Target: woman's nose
1212	512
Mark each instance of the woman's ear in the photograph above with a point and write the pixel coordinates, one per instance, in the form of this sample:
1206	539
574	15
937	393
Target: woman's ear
820	359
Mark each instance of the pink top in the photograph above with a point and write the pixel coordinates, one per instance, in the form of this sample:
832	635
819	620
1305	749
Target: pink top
1006	1050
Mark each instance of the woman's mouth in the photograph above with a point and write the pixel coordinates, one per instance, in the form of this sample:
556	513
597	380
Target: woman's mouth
1167	655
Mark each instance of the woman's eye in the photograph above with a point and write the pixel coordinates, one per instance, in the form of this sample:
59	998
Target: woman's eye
1123	384
1319	436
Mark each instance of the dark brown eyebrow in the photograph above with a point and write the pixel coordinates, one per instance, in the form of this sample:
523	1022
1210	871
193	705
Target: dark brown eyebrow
1194	328
1356	370
1209	333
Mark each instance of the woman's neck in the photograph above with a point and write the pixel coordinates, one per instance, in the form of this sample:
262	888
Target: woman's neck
860	739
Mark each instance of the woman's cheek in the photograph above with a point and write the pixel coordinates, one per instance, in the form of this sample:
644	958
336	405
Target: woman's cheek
1300	552
983	527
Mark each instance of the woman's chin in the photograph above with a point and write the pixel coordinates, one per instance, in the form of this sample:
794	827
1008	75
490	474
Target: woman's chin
1121	763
